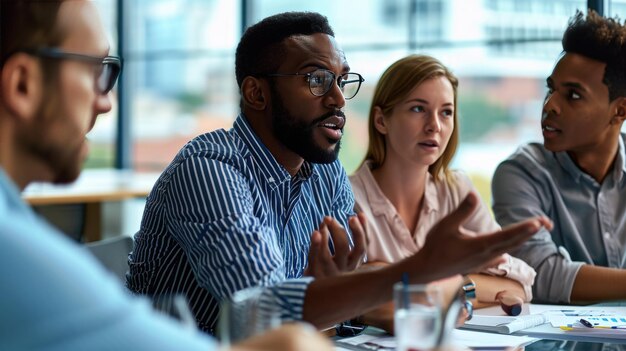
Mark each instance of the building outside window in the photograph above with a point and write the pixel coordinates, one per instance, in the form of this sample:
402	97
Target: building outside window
179	64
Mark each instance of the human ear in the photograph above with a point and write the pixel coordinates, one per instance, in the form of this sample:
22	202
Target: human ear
379	120
620	111
253	93
22	84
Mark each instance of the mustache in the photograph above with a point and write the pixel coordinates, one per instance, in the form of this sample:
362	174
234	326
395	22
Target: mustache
338	113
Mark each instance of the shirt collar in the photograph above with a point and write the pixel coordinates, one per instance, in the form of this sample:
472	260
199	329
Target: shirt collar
619	167
10	195
568	164
431	200
380	204
273	171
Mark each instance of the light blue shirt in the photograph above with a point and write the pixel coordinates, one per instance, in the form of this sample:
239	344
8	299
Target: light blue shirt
225	216
589	218
55	296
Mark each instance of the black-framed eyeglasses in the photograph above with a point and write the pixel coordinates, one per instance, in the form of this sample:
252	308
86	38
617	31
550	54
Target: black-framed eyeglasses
321	81
107	74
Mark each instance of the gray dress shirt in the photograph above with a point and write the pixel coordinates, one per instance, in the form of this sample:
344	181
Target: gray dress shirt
589	218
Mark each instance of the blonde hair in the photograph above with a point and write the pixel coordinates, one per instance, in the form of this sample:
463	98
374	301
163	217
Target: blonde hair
392	88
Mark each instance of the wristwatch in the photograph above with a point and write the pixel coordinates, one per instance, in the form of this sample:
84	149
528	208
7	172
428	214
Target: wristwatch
352	327
469	291
469	288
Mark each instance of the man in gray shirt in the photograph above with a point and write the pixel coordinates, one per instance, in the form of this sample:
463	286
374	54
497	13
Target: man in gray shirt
577	176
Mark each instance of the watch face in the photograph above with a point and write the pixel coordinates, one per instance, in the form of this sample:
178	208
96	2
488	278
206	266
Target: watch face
470	290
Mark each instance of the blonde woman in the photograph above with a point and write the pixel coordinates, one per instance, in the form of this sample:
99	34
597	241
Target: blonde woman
405	186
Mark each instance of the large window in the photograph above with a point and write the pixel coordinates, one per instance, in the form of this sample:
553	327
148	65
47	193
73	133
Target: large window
103	135
179	66
501	50
180	58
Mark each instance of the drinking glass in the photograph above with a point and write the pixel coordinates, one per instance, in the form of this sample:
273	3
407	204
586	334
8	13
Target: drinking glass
175	306
245	315
417	317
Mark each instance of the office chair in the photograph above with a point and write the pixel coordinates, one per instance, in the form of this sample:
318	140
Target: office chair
113	254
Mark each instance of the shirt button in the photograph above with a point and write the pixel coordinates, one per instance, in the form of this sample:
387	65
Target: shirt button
270	179
607	235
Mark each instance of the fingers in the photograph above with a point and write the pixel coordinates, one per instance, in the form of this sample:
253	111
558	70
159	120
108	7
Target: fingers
486	250
514	235
340	242
493	263
546	222
314	253
357	227
507	239
457	217
296	336
321	261
325	253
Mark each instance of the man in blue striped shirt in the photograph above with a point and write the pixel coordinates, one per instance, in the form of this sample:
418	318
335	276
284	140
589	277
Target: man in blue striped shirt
267	202
55	79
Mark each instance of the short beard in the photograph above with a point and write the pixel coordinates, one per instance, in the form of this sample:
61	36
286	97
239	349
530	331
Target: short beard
298	136
61	158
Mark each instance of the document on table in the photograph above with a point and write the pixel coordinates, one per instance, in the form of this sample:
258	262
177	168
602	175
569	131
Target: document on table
460	338
561	322
504	324
594	317
478	340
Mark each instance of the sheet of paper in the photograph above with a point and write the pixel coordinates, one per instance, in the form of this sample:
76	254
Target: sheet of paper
536	308
372	342
474	339
597	318
492	321
460	338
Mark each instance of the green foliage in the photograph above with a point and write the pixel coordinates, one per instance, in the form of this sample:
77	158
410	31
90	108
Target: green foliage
477	116
100	156
190	101
353	150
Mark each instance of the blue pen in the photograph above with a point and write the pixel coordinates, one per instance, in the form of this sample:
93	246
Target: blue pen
405	294
588	324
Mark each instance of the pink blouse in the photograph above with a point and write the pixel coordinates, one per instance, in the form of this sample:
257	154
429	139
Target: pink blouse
389	239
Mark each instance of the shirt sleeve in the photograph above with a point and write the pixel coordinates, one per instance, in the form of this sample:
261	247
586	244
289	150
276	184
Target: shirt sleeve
58	297
212	216
517	196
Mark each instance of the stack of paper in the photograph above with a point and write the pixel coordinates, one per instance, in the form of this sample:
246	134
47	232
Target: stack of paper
458	338
503	324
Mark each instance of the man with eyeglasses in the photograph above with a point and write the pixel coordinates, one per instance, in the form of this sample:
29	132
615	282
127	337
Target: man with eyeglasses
267	203
55	79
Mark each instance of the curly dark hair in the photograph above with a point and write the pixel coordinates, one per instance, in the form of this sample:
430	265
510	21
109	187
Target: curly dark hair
602	39
260	48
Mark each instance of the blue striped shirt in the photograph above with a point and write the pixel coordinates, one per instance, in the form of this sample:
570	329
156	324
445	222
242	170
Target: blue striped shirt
225	215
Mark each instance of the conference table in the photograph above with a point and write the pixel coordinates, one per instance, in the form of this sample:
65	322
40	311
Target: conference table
92	189
539	338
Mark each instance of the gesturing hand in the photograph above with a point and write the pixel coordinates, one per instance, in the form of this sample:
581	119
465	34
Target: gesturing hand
322	262
286	338
450	249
